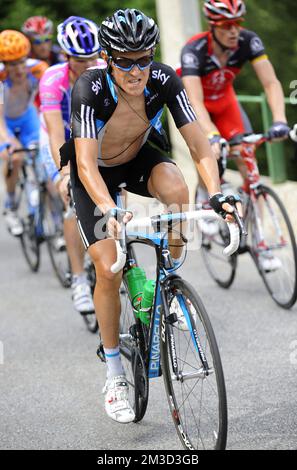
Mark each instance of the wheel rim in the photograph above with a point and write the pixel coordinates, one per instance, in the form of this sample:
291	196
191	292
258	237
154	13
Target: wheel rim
277	244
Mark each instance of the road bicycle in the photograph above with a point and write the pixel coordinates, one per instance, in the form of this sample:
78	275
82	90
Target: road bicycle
270	241
184	352
41	212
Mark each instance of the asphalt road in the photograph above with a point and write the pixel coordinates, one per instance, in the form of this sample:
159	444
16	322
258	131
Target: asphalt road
51	378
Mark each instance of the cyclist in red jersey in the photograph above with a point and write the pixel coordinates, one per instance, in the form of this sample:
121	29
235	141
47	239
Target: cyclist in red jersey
210	62
39	30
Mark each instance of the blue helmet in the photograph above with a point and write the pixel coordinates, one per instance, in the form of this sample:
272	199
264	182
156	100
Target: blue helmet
78	37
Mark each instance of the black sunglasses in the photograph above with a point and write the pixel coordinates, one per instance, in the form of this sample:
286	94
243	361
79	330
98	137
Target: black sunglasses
127	65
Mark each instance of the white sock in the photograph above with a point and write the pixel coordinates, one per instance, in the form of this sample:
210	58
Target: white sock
79	278
113	362
177	261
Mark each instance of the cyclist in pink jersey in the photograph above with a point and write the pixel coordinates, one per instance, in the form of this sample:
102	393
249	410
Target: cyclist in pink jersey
78	37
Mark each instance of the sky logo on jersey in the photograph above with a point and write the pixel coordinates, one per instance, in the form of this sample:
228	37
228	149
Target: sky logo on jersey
159	75
97	86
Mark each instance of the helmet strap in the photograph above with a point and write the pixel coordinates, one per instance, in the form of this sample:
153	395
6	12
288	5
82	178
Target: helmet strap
224	48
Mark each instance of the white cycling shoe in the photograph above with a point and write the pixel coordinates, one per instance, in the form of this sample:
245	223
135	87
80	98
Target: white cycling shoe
13	222
82	298
268	262
181	322
117	404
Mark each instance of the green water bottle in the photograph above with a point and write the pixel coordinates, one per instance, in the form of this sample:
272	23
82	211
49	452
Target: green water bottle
136	279
147	301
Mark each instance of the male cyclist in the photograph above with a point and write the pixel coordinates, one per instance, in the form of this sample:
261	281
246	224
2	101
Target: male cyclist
39	30
78	37
19	121
115	114
210	62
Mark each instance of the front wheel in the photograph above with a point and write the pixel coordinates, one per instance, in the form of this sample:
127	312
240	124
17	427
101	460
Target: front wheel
192	370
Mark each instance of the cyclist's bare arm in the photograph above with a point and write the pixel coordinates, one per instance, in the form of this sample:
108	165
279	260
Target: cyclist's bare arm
3	131
4	136
273	89
202	155
88	172
194	91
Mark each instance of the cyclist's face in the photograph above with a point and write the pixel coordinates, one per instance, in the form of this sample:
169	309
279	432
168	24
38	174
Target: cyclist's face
133	82
228	33
17	69
79	65
42	50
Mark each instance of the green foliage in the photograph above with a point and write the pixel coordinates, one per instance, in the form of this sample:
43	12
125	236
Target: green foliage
14	12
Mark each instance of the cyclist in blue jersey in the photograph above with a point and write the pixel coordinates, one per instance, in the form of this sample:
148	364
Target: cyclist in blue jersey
19	121
115	116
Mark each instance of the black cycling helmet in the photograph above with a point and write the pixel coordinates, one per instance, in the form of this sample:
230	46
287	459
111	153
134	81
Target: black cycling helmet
128	30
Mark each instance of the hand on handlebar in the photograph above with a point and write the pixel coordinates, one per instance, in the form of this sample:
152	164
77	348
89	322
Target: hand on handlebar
6	151
278	131
225	205
115	218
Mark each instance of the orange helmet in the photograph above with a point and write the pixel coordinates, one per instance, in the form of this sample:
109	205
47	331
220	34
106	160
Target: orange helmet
13	45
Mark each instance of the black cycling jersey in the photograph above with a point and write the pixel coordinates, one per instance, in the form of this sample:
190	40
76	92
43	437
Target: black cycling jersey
197	58
94	100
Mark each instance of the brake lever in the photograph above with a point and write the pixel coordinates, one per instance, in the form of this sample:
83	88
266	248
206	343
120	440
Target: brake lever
240	223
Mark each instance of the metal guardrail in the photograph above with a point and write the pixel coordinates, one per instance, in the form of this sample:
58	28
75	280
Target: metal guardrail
275	152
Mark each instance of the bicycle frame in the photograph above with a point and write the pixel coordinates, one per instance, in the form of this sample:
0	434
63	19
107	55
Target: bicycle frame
158	242
157	327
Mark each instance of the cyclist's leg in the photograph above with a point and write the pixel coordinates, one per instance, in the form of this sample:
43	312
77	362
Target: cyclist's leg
102	251
152	174
10	177
106	299
167	184
236	124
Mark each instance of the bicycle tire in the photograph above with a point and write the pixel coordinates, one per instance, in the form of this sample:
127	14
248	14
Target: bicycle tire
221	269
30	244
53	228
132	349
195	432
271	278
91	319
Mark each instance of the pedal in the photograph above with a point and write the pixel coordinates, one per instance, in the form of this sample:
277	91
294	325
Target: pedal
100	353
171	319
84	314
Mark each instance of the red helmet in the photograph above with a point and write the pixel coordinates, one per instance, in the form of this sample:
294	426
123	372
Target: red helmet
38	26
222	10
